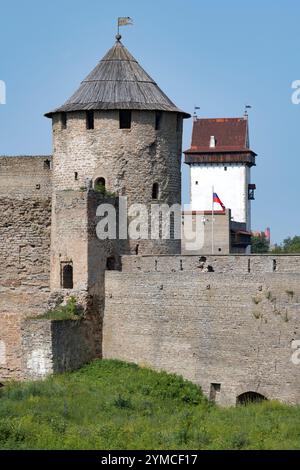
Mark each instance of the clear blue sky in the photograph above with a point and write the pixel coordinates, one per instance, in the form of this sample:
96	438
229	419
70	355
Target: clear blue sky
216	54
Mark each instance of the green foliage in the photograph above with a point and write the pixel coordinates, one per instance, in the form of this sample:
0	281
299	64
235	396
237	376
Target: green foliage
70	311
100	188
113	405
289	245
259	244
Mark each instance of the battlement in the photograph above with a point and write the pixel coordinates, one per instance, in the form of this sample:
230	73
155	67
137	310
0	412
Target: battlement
233	264
25	176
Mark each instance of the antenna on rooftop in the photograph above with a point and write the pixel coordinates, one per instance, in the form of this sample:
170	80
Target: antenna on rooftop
196	108
247	106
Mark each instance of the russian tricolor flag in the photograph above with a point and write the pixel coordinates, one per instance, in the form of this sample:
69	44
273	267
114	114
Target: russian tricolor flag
217	200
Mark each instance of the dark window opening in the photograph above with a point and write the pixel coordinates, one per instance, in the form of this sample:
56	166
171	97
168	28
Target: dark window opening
100	184
249	265
181	265
155	191
158	116
178	123
63	120
215	389
66	276
225	168
47	165
76	176
37	186
125	119
111	263
274	265
137	249
251	192
90	120
250	397
197	182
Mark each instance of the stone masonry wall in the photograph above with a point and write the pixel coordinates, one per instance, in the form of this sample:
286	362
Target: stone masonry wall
230	328
50	347
24	252
25	177
130	160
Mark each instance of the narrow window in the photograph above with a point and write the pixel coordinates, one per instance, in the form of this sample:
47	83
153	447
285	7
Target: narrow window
274	265
66	276
63	120
158	116
125	119
76	176
179	123
110	263
90	120
155	191
251	192
197	182
215	389
249	265
47	165
100	184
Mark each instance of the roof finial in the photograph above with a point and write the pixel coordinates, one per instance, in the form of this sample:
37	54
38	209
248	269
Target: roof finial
123	21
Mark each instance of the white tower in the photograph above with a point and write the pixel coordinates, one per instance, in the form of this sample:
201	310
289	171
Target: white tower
220	158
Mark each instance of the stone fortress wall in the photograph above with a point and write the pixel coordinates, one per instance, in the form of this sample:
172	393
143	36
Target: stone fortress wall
25	220
227	323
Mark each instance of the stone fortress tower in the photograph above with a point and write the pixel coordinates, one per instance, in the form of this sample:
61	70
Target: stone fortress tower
120	130
220	160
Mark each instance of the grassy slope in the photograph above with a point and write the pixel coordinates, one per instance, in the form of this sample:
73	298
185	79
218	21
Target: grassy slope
112	405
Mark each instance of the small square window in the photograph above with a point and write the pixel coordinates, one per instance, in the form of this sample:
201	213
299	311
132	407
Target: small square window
197	182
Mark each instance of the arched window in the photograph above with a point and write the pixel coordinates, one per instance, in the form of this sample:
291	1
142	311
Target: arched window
100	184
250	397
155	191
66	276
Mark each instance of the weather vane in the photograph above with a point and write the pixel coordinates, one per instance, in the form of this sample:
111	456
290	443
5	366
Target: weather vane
123	21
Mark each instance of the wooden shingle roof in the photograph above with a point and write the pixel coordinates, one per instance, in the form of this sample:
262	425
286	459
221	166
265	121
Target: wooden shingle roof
118	82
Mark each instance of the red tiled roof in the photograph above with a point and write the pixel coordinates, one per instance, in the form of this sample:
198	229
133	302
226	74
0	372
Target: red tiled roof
231	134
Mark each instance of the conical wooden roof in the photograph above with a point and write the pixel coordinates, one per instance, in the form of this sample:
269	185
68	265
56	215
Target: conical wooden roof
118	82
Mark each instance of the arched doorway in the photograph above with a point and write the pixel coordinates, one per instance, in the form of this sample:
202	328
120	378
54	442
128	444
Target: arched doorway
250	397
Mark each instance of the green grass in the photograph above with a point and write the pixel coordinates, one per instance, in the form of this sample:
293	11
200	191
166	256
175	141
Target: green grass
113	405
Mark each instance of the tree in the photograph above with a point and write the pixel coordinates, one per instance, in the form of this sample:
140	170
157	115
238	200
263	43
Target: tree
260	244
289	245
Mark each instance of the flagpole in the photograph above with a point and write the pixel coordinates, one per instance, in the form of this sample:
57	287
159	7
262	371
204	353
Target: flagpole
212	223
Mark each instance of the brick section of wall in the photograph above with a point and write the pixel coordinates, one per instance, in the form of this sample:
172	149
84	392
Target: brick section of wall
230	329
55	346
25	177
